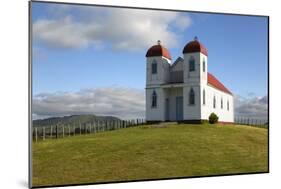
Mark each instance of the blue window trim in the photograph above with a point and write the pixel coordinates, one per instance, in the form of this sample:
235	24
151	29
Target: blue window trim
154	100
154	67
191	97
191	64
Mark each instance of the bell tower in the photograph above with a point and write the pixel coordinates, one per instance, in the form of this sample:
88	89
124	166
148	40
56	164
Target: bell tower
195	69
158	60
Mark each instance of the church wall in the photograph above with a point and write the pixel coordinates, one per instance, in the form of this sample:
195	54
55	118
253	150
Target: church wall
191	112
223	114
162	75
193	77
156	113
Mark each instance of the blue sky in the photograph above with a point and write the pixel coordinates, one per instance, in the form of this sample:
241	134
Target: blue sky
77	48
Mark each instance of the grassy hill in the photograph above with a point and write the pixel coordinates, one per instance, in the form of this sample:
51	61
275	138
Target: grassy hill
148	152
73	119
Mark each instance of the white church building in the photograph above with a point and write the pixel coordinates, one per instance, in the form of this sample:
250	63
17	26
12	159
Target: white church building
184	90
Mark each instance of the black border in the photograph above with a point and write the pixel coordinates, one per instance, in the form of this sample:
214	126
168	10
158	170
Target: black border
129	7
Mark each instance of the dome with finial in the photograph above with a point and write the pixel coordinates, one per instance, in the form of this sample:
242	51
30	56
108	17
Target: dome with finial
195	46
158	50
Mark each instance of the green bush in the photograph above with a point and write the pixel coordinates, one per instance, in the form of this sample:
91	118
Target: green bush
213	118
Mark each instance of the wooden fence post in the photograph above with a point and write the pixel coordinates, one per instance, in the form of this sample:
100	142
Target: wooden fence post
68	130
43	133
62	131
51	134
36	134
56	131
80	127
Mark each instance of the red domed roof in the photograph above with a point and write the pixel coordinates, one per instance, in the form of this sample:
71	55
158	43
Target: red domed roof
195	46
158	50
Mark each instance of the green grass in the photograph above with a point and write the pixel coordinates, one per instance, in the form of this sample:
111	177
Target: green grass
150	153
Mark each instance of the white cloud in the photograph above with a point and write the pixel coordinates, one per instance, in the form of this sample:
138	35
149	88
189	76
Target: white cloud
251	107
115	101
118	28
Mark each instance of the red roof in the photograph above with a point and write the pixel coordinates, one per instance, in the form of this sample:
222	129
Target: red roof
195	46
158	50
212	80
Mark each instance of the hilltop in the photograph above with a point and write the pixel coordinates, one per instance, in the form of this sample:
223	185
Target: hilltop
73	119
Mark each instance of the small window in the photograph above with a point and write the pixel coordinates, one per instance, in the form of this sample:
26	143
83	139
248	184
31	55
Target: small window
154	100
191	64
214	102
204	97
191	97
227	105
221	103
204	65
154	67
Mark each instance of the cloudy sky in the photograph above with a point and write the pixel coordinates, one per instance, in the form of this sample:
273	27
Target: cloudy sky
91	60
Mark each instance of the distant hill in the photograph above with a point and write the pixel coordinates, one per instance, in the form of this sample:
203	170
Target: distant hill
73	119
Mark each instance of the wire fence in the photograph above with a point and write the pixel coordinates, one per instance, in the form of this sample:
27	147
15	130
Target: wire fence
67	130
251	122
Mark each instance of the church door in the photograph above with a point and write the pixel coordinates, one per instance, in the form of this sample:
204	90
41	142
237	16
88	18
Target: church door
179	108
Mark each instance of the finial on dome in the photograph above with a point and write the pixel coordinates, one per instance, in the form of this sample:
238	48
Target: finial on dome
159	42
195	38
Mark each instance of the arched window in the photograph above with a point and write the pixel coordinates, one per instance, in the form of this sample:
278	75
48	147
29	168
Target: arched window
221	103
154	100
154	67
191	64
191	97
204	97
214	102
204	65
227	105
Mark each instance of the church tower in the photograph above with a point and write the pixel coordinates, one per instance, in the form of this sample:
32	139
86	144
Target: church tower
158	60
195	71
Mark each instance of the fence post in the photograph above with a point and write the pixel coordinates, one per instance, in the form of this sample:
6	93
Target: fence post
62	131
56	131
68	130
36	134
43	133
51	131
